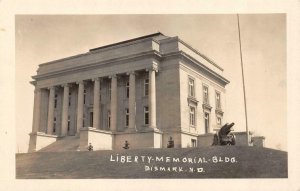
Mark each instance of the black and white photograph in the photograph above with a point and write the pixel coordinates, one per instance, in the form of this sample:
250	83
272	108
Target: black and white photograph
196	98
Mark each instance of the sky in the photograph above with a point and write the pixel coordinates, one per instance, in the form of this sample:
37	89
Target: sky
45	38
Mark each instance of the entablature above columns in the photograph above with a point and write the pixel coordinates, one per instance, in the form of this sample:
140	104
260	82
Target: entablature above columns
131	59
45	83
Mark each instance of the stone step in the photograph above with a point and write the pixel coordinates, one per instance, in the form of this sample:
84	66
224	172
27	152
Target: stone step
68	143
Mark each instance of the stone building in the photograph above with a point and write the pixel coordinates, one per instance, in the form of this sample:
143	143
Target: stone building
142	90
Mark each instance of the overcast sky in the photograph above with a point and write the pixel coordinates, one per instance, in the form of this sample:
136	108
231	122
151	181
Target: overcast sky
41	39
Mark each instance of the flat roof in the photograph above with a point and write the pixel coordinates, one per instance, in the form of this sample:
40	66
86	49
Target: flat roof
126	41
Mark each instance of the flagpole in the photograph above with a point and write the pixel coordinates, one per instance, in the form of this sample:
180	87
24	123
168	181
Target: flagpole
244	90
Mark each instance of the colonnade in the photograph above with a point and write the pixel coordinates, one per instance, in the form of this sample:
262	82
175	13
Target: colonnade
96	106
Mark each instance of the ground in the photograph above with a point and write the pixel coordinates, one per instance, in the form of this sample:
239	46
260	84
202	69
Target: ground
205	162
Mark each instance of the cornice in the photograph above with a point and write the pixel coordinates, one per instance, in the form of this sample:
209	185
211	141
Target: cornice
202	55
152	53
202	66
147	54
196	63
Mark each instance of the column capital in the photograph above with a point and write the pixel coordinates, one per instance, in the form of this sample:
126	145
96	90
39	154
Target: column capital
96	79
37	90
131	73
51	88
113	76
80	82
65	85
153	67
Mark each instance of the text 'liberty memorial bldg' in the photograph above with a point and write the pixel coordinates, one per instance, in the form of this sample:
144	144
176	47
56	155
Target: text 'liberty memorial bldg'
143	91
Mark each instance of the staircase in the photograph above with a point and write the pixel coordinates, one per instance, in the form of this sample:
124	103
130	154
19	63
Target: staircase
68	143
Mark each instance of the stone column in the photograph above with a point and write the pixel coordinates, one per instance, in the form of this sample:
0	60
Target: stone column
113	104
152	98
132	100
51	110
36	110
80	106
96	110
65	110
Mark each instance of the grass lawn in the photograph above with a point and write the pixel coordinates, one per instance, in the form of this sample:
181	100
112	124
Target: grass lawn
206	162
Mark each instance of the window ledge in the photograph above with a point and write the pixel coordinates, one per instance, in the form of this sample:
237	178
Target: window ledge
206	106
192	100
219	111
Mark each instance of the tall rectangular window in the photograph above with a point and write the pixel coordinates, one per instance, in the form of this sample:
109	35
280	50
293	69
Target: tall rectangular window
146	115
69	123
206	122
55	101
126	117
108	119
146	87
54	125
192	116
191	87
84	96
109	90
194	143
218	100
83	120
100	94
127	89
205	95
219	121
70	98
91	119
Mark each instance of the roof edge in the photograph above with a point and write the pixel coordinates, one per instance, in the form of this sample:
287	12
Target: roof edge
126	41
200	54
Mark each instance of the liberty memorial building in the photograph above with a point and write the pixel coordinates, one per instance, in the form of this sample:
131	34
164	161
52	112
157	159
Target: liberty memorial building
144	91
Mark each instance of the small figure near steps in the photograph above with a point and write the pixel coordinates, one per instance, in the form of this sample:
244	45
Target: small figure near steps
170	143
90	147
126	145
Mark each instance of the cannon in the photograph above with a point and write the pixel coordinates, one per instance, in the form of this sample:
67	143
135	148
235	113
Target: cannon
224	135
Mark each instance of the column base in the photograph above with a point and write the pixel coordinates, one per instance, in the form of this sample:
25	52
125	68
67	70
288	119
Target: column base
41	140
99	139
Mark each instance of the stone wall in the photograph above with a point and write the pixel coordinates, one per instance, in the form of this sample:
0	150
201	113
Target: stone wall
138	140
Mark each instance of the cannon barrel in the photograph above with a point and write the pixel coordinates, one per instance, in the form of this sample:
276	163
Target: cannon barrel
230	125
225	129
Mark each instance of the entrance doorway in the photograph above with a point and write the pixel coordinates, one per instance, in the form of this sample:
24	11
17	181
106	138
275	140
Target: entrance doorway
91	119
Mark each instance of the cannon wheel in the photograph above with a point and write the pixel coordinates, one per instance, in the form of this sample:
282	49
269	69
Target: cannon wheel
232	142
216	140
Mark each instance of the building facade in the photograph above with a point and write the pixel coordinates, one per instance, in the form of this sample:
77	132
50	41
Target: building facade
144	91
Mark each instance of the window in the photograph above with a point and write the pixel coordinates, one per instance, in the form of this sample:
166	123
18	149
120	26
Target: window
108	119
218	100
146	87
191	88
127	89
219	121
100	93
206	121
70	99
55	101
54	125
69	123
146	115
109	90
205	95
83	120
192	116
126	117
194	143
84	96
91	119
